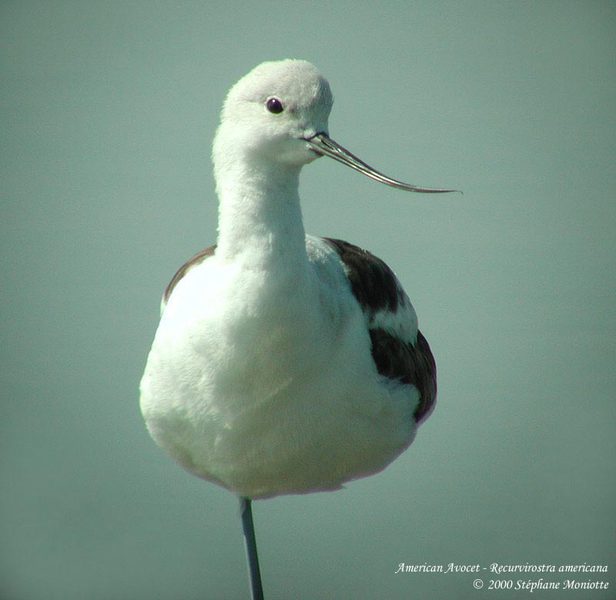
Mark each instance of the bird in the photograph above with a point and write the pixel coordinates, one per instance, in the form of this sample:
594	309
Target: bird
283	363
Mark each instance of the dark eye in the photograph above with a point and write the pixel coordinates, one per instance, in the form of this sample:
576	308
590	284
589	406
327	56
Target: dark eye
274	105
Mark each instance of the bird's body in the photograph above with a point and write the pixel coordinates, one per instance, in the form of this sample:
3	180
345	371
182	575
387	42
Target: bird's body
262	378
283	363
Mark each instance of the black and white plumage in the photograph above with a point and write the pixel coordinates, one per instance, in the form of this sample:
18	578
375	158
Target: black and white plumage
378	291
283	363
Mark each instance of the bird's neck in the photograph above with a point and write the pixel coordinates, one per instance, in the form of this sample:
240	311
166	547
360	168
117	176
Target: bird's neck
260	219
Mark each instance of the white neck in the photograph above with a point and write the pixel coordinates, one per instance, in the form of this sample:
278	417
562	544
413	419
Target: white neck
260	219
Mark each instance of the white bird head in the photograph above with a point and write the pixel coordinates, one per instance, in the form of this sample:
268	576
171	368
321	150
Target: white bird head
271	112
276	116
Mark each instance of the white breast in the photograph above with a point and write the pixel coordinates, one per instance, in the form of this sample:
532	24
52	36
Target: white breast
264	382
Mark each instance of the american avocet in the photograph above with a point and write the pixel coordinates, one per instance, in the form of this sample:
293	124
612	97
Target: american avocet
283	363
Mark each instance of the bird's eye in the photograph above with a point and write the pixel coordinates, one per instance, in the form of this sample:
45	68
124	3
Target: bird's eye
274	105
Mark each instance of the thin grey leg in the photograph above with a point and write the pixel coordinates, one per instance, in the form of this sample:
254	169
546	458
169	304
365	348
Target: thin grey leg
248	528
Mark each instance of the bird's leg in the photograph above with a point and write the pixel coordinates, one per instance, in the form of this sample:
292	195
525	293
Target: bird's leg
248	528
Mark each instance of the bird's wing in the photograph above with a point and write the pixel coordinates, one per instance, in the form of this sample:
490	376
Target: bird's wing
187	266
399	350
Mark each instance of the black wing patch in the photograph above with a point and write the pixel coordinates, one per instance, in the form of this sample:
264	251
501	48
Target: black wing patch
187	266
376	288
408	363
373	283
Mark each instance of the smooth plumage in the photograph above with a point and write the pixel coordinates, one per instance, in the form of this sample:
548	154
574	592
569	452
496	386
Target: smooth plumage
283	363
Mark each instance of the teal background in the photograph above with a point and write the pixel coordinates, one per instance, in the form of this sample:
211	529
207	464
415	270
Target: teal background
108	111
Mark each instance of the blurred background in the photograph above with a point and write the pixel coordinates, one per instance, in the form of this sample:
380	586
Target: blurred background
108	110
